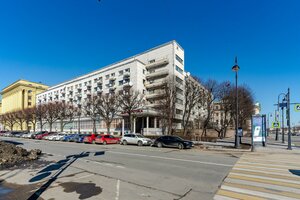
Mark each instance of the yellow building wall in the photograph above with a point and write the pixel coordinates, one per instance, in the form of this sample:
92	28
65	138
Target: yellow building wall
16	97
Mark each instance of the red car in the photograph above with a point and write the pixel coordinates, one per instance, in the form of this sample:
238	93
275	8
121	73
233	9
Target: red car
90	139
107	139
40	135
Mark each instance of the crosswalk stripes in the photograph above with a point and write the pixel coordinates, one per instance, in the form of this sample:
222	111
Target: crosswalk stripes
262	176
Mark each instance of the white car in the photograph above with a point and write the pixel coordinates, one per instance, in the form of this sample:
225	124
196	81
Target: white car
133	138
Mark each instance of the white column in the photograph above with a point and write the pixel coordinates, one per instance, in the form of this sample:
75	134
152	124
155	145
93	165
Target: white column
155	122
147	124
123	126
134	124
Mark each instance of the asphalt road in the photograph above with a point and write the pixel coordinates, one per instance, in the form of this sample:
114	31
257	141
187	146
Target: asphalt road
119	172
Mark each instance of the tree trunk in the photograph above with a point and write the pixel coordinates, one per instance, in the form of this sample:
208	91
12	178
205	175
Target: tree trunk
94	126
61	126
50	127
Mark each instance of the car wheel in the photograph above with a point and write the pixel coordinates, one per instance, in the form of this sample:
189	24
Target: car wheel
104	143
159	145
124	142
140	143
180	146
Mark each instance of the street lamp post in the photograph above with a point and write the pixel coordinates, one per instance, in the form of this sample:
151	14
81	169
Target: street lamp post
288	113
236	68
282	114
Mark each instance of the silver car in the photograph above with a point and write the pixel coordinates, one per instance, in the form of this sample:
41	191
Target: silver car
133	138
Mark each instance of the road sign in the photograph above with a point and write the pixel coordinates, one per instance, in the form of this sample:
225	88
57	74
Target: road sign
276	125
297	108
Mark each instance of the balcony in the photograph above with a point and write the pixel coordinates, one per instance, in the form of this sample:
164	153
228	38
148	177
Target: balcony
154	84
158	73
127	84
112	78
99	92
126	74
88	87
154	95
158	63
112	88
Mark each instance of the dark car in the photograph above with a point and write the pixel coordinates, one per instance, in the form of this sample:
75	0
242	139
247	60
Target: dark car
173	141
67	138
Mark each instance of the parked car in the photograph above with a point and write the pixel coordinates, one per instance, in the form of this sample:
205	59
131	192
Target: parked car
40	135
133	138
2	133
106	139
79	137
173	141
67	138
90	138
19	134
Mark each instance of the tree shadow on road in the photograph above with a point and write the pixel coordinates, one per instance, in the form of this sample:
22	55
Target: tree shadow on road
59	167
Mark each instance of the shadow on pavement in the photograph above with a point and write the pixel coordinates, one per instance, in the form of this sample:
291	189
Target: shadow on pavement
59	167
295	172
13	142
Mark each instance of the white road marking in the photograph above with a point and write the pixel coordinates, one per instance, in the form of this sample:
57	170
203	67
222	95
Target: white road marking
118	190
85	176
175	159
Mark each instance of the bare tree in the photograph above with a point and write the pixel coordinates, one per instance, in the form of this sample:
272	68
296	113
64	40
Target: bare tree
225	108
66	114
10	120
193	96
52	113
130	101
166	107
212	88
90	109
108	107
30	118
20	118
40	114
245	103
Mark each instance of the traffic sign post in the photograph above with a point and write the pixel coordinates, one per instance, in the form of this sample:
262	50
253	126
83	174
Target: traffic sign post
276	125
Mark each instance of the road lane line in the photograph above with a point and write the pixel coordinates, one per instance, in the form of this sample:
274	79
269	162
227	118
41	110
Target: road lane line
118	190
175	159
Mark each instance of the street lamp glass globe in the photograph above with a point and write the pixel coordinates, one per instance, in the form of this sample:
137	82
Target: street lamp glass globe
235	68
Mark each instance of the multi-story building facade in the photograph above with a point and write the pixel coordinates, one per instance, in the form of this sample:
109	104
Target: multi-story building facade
145	73
19	96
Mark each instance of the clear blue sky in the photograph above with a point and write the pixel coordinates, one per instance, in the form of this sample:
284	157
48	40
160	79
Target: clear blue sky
53	40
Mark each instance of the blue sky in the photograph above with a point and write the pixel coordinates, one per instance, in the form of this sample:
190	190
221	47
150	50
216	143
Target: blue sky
52	40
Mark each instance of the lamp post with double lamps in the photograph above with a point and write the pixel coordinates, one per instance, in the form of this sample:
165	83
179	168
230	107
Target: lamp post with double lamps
236	68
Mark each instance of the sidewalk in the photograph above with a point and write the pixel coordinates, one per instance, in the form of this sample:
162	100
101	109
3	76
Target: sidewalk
270	172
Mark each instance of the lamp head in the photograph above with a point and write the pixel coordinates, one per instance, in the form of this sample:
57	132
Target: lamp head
235	68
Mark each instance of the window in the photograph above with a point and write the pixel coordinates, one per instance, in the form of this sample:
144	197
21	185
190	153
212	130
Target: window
29	91
179	69
113	74
121	73
121	82
179	80
29	97
107	76
179	101
29	103
127	70
144	71
179	91
152	61
178	112
179	59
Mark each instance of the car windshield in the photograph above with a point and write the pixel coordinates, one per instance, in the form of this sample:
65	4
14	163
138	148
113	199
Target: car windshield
178	138
140	136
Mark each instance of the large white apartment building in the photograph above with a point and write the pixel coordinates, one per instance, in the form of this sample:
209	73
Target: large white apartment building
144	72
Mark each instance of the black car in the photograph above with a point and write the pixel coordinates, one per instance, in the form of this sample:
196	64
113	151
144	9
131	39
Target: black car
173	141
